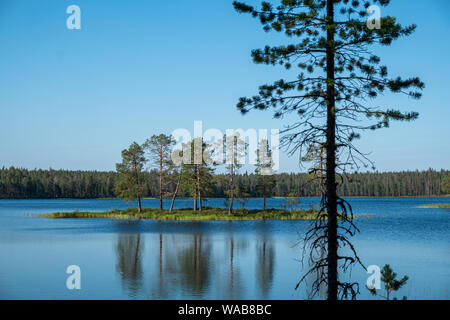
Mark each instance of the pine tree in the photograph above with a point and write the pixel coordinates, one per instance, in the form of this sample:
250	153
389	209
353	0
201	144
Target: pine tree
315	153
389	278
130	186
264	169
235	149
179	175
337	75
196	176
160	149
445	185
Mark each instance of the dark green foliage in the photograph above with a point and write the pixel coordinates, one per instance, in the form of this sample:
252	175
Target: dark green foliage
196	176
160	150
389	278
445	185
16	183
264	170
329	102
358	75
235	150
129	185
189	214
292	201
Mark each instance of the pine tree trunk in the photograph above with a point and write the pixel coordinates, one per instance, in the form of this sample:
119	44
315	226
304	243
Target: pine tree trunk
332	257
160	179
195	200
322	195
195	195
139	205
264	191
138	183
176	191
198	189
230	208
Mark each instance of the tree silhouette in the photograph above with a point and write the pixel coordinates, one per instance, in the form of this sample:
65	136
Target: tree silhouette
330	100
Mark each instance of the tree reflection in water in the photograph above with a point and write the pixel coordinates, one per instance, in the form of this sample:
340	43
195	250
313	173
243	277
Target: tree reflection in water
129	261
196	265
233	283
265	263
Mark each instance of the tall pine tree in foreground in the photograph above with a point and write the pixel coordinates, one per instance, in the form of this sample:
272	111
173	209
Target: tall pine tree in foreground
330	100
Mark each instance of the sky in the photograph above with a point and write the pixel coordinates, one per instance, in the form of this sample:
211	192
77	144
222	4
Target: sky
73	99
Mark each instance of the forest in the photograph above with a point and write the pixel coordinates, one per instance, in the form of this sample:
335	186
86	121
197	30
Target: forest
18	183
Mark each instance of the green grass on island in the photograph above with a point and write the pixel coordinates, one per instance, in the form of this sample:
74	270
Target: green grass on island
189	214
437	206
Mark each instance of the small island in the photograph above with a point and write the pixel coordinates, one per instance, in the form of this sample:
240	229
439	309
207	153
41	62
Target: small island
207	213
437	206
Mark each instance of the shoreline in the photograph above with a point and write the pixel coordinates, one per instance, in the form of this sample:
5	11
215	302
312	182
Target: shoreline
186	198
436	206
207	214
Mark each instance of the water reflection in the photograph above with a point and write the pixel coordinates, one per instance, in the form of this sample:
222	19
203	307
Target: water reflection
314	287
265	264
233	285
193	265
129	261
183	266
144	259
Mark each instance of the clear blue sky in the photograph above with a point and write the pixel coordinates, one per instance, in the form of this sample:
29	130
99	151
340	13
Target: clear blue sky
74	99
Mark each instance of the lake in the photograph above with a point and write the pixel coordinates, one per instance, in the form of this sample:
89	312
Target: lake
123	259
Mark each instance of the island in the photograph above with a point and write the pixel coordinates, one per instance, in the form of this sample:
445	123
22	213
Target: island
188	214
437	206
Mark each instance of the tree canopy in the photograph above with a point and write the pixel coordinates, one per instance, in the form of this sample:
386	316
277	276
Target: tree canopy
129	185
329	102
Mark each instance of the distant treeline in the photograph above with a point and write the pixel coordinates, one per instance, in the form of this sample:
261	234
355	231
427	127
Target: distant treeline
32	184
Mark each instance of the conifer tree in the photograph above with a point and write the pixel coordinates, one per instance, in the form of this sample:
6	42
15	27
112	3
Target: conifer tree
315	153
389	278
330	100
235	149
445	185
160	148
196	176
264	169
179	175
130	185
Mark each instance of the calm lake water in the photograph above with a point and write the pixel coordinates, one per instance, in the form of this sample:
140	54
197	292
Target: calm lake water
121	259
